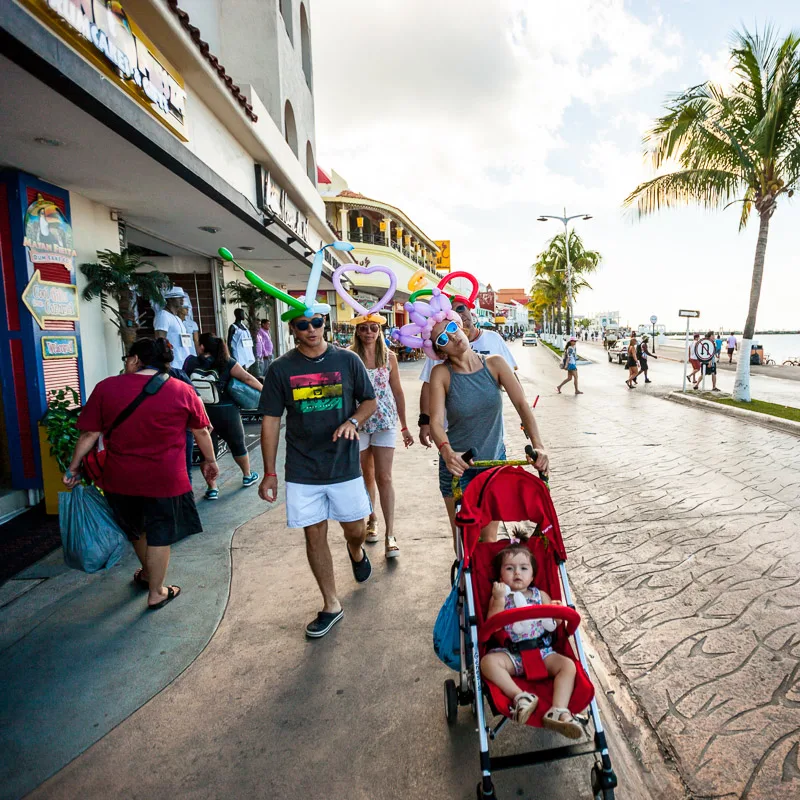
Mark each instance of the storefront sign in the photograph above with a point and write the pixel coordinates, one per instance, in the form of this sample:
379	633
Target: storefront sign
274	201
48	235
294	218
487	300
59	347
113	42
443	256
48	300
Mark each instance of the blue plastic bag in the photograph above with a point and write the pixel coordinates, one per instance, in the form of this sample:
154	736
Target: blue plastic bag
91	538
446	631
246	397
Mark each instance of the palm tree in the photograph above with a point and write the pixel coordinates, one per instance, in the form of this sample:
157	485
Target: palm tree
733	145
550	269
114	277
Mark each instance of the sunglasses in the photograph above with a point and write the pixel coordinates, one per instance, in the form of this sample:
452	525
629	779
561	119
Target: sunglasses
444	337
302	324
372	328
125	358
460	309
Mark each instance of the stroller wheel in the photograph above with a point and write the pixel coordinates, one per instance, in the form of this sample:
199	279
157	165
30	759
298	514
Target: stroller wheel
598	791
482	796
450	701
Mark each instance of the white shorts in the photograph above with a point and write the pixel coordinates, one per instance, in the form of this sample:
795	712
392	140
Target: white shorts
377	439
307	504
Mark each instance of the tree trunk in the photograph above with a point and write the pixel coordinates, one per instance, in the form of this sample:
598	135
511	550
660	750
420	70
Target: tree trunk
128	329
741	385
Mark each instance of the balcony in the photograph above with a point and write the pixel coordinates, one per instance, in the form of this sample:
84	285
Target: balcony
359	237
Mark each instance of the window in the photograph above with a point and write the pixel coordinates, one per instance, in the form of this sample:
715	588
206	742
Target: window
290	127
286	13
305	44
311	167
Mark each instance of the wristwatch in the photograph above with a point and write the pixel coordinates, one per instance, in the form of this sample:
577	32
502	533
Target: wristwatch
354	421
424	419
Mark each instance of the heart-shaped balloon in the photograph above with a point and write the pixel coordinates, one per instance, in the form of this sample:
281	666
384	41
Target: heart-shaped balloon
471	278
354	304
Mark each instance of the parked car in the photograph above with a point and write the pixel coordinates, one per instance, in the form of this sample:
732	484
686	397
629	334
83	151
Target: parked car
529	337
618	351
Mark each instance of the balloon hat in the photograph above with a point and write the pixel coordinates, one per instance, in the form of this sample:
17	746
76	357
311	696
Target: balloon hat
365	314
415	283
298	306
424	317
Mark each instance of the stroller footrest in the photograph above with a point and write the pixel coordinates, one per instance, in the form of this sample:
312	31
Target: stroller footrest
543	756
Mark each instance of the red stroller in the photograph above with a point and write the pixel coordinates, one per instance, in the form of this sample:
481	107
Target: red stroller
510	494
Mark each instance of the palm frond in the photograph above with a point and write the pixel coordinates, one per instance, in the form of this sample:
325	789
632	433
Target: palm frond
709	188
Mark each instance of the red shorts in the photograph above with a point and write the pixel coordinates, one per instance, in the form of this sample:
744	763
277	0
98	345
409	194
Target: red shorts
694	363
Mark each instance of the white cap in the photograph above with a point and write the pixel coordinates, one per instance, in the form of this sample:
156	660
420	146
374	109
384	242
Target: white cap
175	291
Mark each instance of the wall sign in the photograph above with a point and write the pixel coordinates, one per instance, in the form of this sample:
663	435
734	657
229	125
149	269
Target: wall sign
59	347
48	300
105	35
443	256
48	235
274	202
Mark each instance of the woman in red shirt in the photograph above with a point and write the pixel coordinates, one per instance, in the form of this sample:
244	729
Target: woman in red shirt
144	477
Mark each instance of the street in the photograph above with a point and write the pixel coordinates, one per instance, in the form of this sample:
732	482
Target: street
679	528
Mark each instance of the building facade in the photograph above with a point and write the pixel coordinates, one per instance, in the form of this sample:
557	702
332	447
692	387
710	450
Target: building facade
168	127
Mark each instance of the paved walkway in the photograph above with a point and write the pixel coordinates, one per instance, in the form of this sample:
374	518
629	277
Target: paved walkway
682	529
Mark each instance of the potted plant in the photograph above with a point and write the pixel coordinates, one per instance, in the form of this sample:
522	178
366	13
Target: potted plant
114	277
58	434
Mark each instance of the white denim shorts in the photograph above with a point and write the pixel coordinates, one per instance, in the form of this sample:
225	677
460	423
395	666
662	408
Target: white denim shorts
307	504
377	439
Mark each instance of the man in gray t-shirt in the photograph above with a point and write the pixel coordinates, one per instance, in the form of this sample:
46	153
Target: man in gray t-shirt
326	394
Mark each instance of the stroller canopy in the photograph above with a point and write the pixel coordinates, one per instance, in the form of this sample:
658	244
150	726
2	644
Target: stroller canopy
509	494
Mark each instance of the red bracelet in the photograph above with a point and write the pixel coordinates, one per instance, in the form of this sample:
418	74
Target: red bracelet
403	429
440	446
270	474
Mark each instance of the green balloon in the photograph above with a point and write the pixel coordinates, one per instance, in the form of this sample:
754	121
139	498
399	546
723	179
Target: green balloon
420	293
225	254
274	291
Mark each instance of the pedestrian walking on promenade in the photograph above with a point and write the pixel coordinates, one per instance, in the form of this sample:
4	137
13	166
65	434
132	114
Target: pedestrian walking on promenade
632	364
643	354
214	364
733	345
327	396
467	389
482	341
569	362
144	474
693	360
264	348
378	434
192	328
240	341
718	345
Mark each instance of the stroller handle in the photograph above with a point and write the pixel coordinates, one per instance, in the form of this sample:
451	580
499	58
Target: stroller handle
510	463
499	621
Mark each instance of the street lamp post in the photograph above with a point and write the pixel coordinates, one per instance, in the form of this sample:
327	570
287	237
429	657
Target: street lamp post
565	219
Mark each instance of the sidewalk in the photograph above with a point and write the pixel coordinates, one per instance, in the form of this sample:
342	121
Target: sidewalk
79	653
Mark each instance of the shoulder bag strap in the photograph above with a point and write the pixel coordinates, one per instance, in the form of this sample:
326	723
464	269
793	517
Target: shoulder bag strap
151	387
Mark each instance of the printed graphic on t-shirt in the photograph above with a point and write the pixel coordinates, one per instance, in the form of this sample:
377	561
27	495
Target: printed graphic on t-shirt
320	391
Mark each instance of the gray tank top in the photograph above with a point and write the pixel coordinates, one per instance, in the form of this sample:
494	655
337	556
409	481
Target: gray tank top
474	407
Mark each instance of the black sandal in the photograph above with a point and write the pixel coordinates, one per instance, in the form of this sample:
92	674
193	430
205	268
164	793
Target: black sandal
171	595
139	580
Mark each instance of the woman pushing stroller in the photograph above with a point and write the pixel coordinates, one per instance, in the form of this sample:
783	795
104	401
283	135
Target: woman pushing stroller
515	569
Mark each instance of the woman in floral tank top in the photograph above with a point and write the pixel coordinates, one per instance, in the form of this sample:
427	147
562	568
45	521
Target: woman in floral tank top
379	433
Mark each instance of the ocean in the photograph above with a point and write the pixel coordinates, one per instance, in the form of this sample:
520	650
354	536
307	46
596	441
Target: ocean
779	346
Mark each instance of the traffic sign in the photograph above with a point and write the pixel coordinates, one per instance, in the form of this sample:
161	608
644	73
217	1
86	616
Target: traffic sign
685	312
705	350
653	319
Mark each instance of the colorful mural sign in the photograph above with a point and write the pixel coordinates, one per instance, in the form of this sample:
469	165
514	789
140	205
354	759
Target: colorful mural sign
59	347
48	235
102	32
48	300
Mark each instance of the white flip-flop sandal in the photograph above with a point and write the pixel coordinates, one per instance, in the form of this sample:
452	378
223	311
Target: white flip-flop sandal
566	727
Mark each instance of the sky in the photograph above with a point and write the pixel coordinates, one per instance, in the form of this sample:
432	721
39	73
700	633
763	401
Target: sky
477	116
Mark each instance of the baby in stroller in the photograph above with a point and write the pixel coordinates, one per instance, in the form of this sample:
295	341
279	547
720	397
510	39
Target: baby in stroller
515	569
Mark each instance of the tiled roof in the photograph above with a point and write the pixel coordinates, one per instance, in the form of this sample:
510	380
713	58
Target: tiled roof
348	193
204	48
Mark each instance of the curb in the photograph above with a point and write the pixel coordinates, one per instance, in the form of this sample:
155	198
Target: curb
785	425
581	359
